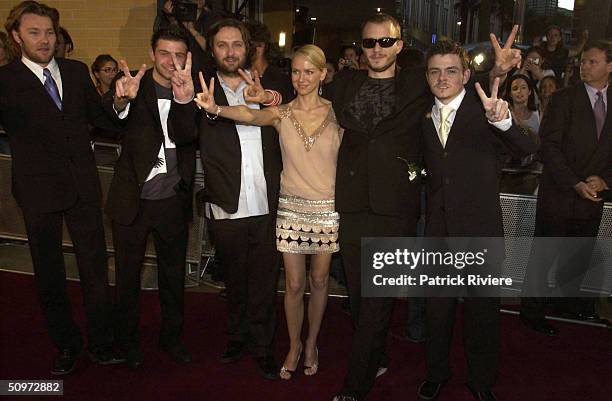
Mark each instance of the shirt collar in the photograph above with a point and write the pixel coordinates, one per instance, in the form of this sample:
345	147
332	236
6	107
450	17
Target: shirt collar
593	91
225	86
38	70
454	104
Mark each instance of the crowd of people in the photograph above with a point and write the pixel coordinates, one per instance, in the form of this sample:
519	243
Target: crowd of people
299	166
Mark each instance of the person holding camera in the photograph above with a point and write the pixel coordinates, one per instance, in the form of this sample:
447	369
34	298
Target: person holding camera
349	58
195	17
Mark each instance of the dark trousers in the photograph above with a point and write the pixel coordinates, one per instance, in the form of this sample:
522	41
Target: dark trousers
572	266
84	222
247	248
370	315
481	339
165	219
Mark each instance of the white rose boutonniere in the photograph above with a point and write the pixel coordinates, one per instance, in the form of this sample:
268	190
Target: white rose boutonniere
414	170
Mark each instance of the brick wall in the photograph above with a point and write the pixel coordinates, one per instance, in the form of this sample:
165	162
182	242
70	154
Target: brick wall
121	28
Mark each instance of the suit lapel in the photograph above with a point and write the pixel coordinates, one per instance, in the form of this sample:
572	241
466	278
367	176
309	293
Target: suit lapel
347	119
463	118
150	98
31	80
430	133
585	112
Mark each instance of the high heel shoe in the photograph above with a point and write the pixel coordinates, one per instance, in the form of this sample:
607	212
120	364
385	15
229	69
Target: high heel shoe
314	367
287	374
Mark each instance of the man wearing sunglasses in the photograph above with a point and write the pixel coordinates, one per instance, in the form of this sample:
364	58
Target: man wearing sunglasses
380	110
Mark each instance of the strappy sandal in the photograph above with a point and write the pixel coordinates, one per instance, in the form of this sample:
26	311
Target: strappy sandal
314	368
287	374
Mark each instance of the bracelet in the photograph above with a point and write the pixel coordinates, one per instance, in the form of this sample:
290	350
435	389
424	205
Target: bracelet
276	98
213	117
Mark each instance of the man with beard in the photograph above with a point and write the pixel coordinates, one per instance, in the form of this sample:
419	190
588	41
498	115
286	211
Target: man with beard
380	110
46	106
151	191
242	165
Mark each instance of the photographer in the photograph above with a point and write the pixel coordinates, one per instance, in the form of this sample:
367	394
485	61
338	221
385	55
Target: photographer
193	16
349	58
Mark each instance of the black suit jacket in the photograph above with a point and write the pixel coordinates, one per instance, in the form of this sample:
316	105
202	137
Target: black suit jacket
141	139
221	156
53	163
372	172
571	152
463	177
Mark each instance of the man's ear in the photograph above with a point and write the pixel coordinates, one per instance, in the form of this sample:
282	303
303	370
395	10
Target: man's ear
467	73
16	36
152	55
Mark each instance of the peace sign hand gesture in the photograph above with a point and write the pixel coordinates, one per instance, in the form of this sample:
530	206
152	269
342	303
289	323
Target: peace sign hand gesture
206	99
495	109
126	87
182	82
506	57
254	92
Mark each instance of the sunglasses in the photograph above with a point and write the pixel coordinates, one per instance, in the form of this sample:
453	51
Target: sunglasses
109	69
369	43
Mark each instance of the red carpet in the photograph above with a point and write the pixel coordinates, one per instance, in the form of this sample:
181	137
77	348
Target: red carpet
577	366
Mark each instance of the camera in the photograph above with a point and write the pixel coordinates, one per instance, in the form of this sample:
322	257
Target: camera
184	10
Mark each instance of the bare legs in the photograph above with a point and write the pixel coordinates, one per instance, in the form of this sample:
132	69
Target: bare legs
295	284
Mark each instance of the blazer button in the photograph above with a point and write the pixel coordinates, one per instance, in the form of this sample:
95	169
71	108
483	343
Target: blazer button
444	155
446	181
372	140
351	172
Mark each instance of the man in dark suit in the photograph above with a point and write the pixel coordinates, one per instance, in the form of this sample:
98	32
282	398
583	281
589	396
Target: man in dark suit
576	152
380	109
46	105
242	181
151	191
463	147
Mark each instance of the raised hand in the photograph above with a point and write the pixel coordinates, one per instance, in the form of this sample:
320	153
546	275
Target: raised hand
182	82
506	57
495	109
254	92
126	87
206	99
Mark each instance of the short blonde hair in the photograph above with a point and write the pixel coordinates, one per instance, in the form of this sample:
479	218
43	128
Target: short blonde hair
314	54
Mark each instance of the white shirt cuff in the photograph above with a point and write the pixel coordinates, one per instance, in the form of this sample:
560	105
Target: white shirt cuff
503	125
188	101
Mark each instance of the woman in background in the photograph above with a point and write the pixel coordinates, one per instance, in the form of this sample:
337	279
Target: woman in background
307	223
548	85
104	69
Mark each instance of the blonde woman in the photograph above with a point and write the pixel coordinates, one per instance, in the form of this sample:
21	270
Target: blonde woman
307	223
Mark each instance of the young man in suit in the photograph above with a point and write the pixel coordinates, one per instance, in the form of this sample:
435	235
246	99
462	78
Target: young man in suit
46	107
380	109
576	152
151	191
464	139
242	165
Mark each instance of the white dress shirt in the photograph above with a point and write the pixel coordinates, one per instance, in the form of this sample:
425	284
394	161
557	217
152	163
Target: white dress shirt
253	199
592	92
38	71
503	125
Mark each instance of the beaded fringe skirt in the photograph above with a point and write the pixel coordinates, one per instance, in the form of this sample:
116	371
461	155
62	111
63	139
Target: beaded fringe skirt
306	226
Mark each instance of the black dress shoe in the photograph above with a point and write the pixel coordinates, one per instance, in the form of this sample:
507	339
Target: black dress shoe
267	367
105	356
484	395
65	362
429	390
178	352
134	358
540	325
235	350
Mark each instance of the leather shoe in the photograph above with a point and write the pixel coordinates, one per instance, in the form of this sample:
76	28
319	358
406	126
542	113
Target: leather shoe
540	325
484	395
134	358
429	390
65	362
178	352
104	356
267	367
235	350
